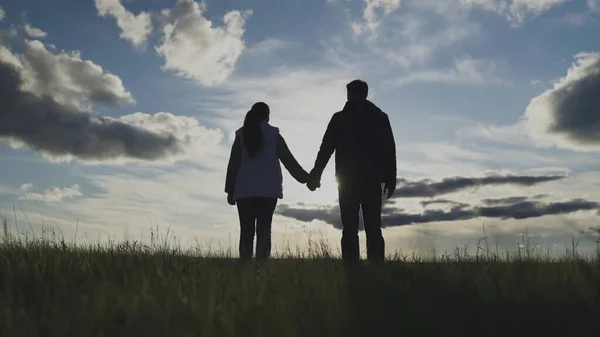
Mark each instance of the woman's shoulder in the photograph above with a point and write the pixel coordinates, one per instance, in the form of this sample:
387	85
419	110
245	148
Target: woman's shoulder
270	129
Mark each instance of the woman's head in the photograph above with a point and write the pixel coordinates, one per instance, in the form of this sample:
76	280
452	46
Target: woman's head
253	136
262	111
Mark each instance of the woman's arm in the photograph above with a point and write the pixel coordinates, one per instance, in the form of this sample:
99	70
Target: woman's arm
235	161
290	163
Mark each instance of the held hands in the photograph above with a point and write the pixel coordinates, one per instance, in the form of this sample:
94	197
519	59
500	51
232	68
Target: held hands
313	182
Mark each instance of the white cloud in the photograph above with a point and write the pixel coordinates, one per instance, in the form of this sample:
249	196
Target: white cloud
7	56
465	71
194	48
34	32
581	18
371	19
134	28
26	187
267	47
489	5
566	116
2	13
54	194
511	134
576	19
520	10
516	11
410	35
66	77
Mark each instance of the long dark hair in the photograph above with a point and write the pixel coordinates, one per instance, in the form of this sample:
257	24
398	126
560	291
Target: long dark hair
253	135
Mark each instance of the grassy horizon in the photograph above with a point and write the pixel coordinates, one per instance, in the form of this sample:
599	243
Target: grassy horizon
53	288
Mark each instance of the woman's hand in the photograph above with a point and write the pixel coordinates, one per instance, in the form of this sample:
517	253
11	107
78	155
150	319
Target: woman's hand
230	199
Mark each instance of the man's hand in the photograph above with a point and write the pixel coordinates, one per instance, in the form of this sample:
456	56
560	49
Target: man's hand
313	182
390	187
230	199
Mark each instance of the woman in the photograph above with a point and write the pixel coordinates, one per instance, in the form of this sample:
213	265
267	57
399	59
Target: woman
254	179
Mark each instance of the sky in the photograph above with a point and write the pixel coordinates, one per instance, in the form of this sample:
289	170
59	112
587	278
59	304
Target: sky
117	116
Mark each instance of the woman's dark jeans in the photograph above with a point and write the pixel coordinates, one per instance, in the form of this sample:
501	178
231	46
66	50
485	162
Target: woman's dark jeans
256	215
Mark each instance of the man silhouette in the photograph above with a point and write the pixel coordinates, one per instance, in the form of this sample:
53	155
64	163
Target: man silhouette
362	137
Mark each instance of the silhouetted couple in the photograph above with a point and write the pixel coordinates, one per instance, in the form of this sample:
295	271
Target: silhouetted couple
365	160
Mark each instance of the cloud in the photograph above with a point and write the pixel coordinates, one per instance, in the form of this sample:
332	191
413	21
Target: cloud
327	214
54	194
515	11
402	34
66	77
581	18
465	71
34	32
26	187
62	132
267	47
429	189
515	134
511	200
2	13
188	132
194	49
371	20
450	203
134	28
567	115
394	218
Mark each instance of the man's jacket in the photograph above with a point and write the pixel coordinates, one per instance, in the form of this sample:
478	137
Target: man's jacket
363	141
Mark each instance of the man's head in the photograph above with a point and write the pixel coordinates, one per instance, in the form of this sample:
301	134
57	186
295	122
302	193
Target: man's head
357	90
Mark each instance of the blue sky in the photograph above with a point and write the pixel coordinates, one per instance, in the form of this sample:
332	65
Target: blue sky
473	88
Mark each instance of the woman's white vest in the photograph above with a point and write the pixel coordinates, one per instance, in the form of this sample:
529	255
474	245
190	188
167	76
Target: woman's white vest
260	176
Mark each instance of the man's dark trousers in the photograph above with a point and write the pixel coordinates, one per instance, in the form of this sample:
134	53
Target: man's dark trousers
351	200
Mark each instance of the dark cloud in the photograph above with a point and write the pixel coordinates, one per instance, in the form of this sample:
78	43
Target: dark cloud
390	218
430	189
511	200
575	106
567	115
452	203
533	209
41	123
328	214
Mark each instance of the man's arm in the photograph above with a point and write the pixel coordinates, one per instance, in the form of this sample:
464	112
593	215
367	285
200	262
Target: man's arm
289	161
389	157
235	161
328	146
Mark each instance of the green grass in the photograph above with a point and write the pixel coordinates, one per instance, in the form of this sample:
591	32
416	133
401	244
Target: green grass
50	288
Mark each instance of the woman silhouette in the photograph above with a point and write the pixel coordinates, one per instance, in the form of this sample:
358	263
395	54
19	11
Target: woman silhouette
254	179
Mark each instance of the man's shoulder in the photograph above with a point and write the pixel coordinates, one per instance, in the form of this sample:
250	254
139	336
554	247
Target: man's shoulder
375	109
336	116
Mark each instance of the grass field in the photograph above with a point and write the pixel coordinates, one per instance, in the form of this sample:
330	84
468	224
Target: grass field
49	288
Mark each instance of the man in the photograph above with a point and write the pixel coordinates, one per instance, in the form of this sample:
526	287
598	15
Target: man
362	137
